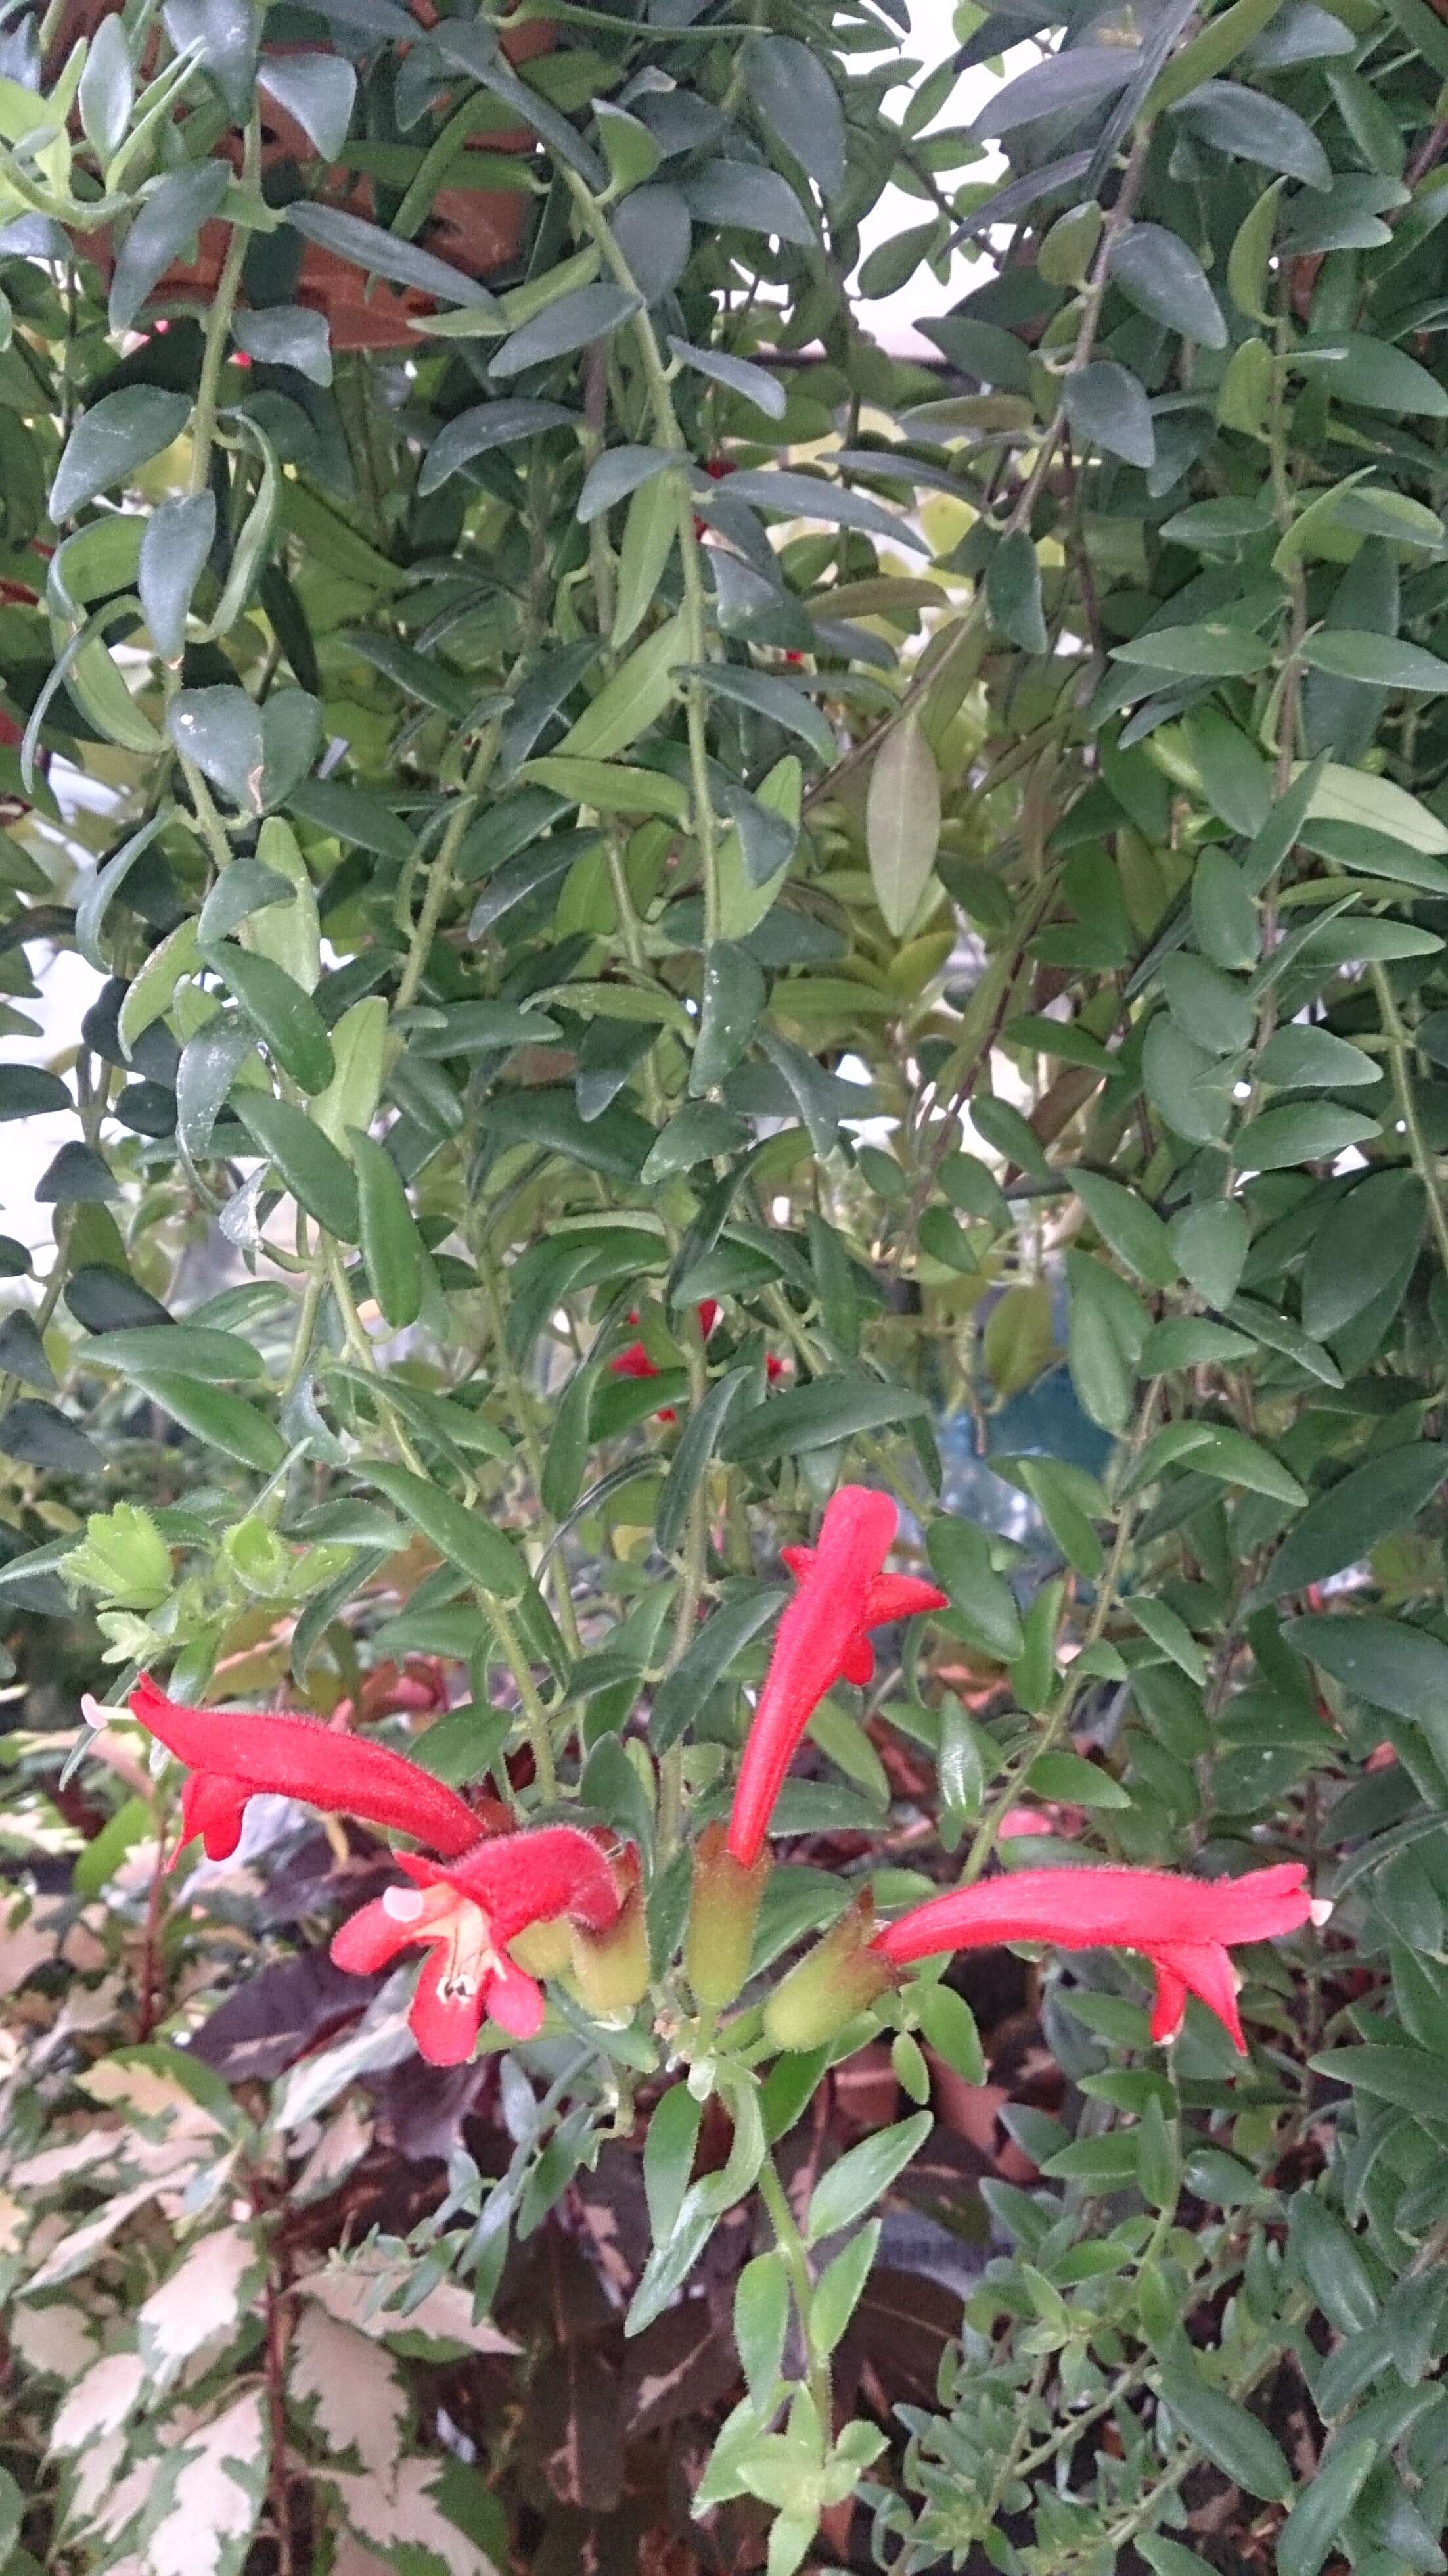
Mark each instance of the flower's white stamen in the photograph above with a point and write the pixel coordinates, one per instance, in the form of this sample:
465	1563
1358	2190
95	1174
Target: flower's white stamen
403	1904
1321	1910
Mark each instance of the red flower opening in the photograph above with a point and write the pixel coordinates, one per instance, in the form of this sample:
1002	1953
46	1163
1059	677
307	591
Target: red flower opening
464	1917
822	1638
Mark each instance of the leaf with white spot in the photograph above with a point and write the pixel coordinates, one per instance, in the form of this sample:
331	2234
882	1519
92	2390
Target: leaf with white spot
208	2494
99	2402
405	2525
349	2390
439	2327
200	2303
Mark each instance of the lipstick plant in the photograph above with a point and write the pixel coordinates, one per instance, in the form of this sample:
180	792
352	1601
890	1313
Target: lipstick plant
725	1312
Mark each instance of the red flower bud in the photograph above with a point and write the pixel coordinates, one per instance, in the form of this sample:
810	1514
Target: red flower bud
839	1979
822	1638
235	1754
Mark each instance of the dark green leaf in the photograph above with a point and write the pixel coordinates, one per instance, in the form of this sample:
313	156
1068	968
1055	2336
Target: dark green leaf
118	433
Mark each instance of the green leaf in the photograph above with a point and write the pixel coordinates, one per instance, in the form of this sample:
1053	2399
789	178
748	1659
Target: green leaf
467	1539
818	1417
840	2286
1157	1621
808	496
1215	1013
1232	2439
1402	1669
959	1556
218	1420
179	537
1314	2527
1211	650
1133	1230
1344	1524
319	90
668	2158
306	1162
781	701
1210	1243
733	1000
1075	80
163	231
696	1446
1380	661
181	1350
1229	34
1104	404
1300	1058
106	96
385	254
1013	593
1307	1131
392	1248
1251	126
703	1667
573	322
948	2025
861	2175
27	1091
1166	279
117	434
281	1013
761	2321
1214	1450
1071	1779
1381	377
902	822
738	194
790	88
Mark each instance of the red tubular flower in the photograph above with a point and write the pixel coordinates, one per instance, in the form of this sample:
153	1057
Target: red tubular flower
465	1917
1183	1926
822	1638
635	1361
234	1754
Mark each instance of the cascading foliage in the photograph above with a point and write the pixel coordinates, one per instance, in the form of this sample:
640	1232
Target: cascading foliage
693	928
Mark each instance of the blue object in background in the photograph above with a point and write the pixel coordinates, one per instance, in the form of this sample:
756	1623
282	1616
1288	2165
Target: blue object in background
1043	1421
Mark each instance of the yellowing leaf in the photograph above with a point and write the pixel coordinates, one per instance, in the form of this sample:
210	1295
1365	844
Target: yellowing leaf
1353	796
902	823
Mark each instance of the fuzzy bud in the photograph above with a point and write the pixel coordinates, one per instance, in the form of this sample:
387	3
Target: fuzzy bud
722	1914
611	1969
840	1978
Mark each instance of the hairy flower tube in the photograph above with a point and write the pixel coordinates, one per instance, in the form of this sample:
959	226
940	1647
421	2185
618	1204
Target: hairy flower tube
1183	1926
465	1917
822	1638
235	1754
